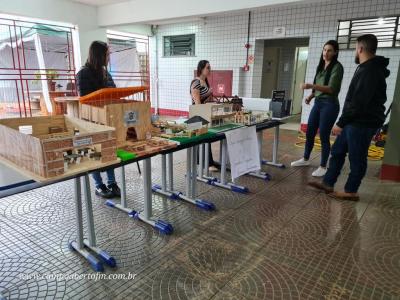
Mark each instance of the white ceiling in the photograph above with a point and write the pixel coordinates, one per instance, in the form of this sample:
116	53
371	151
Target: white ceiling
99	2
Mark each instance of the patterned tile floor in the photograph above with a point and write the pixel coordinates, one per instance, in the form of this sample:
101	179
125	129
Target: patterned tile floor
282	241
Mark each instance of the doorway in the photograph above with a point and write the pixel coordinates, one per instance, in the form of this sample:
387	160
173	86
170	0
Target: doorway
284	66
270	71
299	76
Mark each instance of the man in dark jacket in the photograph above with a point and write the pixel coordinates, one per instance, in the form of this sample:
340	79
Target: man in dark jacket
363	114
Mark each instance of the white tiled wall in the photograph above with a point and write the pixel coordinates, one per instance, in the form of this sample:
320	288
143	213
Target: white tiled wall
221	40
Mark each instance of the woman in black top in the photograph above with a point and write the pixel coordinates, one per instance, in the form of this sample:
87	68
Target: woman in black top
92	77
201	93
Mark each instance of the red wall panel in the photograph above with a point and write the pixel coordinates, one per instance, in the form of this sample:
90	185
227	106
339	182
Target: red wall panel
220	82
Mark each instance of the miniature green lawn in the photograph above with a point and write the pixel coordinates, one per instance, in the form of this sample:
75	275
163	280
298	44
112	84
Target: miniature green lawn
224	127
185	140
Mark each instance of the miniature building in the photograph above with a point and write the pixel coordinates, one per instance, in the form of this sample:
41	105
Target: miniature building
249	118
149	146
131	119
196	126
215	113
35	149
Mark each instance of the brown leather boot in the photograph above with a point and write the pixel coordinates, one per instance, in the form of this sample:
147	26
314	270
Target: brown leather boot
321	186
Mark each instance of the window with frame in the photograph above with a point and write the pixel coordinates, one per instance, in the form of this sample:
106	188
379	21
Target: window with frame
179	45
386	29
129	60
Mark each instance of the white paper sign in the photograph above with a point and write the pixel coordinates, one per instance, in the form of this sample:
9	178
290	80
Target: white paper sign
83	142
243	151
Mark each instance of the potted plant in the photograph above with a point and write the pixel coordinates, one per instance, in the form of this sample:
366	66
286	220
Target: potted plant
51	75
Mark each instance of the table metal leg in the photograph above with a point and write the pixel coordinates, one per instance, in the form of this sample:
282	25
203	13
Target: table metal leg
172	194
170	171
193	174
163	189
223	181
223	161
91	243
188	171
163	172
124	204
259	173
89	211
147	212
123	188
207	159
201	160
79	217
274	161
145	216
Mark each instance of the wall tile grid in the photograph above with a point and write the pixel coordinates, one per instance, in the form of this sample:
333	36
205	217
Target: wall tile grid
221	40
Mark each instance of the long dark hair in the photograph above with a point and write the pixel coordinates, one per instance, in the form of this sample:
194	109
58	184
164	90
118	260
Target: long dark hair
321	64
200	67
97	59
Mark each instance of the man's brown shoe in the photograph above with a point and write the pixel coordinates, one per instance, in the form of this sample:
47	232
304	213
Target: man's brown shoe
321	186
344	196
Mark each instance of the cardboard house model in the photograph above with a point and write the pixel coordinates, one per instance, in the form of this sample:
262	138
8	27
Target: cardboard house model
110	106
215	113
196	126
50	146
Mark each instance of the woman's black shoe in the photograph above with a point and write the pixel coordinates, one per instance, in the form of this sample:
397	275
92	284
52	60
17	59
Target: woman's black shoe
104	192
114	189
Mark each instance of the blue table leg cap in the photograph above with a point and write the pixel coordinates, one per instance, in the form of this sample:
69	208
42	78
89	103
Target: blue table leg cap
95	263
107	259
242	190
282	166
268	177
134	214
205	205
110	203
70	246
175	196
155	187
211	182
163	227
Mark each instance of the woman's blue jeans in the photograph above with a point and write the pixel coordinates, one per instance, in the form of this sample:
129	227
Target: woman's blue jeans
98	181
322	116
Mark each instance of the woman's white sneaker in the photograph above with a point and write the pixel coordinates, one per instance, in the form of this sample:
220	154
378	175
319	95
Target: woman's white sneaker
300	163
319	172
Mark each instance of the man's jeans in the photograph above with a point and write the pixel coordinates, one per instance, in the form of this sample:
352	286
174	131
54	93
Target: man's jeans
99	181
355	141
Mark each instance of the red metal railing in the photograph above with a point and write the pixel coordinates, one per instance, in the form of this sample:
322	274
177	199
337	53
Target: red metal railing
16	100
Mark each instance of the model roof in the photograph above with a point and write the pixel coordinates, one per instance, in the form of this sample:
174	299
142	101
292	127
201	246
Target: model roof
196	119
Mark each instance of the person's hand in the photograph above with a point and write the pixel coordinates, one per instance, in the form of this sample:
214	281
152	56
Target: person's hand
308	100
336	130
306	86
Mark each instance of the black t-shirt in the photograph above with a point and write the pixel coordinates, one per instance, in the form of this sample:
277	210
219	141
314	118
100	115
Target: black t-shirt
88	81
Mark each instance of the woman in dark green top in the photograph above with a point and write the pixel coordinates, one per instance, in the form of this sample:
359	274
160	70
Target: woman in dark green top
325	90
